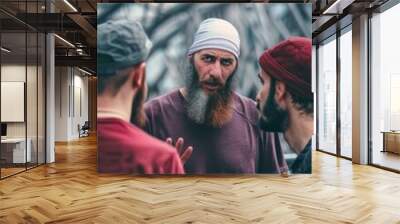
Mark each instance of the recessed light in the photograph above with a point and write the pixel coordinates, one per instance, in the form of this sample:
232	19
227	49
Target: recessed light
64	40
5	50
70	5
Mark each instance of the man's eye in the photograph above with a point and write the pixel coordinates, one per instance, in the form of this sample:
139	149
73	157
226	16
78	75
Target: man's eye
226	62
208	58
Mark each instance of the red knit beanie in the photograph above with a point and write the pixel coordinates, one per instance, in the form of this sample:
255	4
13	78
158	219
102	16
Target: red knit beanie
290	62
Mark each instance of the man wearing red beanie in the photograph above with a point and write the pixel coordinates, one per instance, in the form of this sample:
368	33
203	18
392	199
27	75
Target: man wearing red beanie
285	101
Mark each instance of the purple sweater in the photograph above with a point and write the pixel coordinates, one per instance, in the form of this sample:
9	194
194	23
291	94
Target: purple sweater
239	146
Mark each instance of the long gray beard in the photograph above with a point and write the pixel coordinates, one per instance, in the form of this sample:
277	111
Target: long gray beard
196	105
202	108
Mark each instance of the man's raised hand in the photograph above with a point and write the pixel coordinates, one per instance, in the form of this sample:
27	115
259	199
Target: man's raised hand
183	154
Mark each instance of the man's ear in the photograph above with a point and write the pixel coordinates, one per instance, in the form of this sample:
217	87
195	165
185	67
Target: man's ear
138	74
280	93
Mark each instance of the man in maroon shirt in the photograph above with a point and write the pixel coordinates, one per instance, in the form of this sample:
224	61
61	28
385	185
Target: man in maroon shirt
123	147
208	114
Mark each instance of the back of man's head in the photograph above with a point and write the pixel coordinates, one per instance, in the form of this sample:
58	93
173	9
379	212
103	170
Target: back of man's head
122	45
290	62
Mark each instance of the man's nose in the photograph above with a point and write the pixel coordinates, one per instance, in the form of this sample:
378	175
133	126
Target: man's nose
216	71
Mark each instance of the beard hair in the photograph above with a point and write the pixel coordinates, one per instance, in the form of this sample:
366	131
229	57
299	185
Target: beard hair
273	118
138	116
210	109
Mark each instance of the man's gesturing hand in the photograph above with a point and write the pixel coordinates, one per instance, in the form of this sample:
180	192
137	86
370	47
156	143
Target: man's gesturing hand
184	154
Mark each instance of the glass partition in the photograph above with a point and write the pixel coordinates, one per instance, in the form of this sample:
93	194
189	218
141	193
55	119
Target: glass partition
327	95
22	88
13	105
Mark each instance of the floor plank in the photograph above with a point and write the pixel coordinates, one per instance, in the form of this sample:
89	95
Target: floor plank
71	191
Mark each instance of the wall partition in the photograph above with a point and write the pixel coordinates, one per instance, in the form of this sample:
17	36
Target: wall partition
22	78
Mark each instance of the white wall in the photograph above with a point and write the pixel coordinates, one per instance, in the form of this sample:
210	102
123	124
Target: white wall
71	94
61	103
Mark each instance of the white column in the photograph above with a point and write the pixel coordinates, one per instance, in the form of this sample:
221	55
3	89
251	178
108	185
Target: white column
50	110
50	92
360	90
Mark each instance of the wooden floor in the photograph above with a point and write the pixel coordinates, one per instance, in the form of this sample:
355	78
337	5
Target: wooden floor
387	159
10	171
70	191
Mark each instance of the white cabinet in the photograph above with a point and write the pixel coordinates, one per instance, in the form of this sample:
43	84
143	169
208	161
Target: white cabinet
17	145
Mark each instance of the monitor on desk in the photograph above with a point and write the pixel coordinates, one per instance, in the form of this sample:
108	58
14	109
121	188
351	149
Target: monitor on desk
3	130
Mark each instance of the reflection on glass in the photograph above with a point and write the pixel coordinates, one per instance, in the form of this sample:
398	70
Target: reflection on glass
346	94
327	96
385	86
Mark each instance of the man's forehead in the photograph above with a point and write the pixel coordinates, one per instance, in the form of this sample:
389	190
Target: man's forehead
217	52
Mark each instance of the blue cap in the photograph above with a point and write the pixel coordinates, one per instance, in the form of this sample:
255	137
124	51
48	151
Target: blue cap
120	44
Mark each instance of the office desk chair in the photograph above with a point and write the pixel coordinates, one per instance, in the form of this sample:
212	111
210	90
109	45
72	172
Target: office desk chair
84	130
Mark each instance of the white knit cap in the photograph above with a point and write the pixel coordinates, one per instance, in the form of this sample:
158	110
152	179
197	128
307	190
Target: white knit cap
218	34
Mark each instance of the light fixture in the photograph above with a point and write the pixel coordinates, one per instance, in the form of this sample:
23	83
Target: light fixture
70	5
64	40
84	71
329	9
337	7
5	50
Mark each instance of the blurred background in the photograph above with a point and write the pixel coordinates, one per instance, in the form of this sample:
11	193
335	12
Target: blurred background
171	28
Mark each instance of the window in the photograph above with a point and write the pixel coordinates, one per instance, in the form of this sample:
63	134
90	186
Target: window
385	88
327	96
346	93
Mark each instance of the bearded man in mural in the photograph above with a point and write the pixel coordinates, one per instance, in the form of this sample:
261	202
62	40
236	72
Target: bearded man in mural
208	115
286	101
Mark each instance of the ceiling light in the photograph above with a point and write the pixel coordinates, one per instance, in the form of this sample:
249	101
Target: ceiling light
5	50
337	7
86	72
70	5
65	41
327	11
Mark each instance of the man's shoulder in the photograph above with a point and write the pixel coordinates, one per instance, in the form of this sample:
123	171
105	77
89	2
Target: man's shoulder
168	102
246	108
163	99
246	101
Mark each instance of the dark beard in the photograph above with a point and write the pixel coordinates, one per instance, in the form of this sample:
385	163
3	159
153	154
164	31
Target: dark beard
138	116
209	109
273	118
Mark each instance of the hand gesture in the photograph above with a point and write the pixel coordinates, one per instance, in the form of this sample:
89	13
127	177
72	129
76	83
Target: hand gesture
183	154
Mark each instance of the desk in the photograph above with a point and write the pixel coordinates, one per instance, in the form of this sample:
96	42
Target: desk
13	150
391	141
